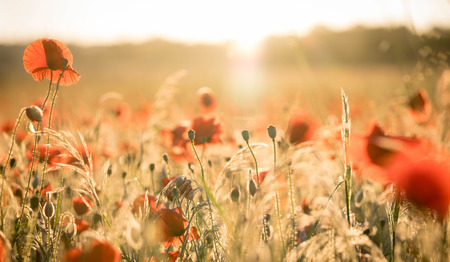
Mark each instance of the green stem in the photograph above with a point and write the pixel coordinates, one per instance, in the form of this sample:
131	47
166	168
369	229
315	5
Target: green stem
8	158
48	136
33	159
395	215
256	163
207	197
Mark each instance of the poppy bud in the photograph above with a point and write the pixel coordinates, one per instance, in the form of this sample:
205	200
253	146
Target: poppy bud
245	135
179	181
272	131
251	187
166	158
109	170
152	167
34	113
34	202
234	194
49	210
35	182
79	205
12	162
191	135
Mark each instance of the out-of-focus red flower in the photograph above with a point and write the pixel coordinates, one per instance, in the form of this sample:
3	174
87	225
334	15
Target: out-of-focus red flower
97	251
79	205
425	182
122	113
301	127
262	175
84	155
46	55
375	151
176	140
420	106
207	99
173	226
53	155
207	130
47	188
8	127
139	203
73	255
171	257
184	189
4	248
82	225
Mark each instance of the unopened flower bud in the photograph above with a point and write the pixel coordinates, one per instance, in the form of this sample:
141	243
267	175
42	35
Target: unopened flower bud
272	131
34	113
152	167
251	187
35	182
191	135
34	202
234	194
49	210
179	181
245	135
166	158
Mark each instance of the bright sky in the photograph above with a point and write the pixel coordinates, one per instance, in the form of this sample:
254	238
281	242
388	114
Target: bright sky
244	22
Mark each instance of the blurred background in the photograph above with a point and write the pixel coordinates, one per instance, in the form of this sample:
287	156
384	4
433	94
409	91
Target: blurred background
255	55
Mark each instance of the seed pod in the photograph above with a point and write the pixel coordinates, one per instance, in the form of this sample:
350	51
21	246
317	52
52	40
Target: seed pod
234	194
34	202
35	182
179	181
191	135
49	210
272	131
34	113
12	162
251	187
245	135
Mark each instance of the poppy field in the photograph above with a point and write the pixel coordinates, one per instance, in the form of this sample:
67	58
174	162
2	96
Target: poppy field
194	175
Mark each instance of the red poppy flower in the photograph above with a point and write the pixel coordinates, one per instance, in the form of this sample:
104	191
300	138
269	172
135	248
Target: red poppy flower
173	226
46	55
139	204
262	175
98	251
82	225
73	255
301	128
72	160
79	205
4	248
8	127
207	130
375	151
426	182
207	99
420	106
184	189
53	155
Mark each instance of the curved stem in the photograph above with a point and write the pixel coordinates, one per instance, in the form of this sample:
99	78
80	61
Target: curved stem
48	136
8	158
256	163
